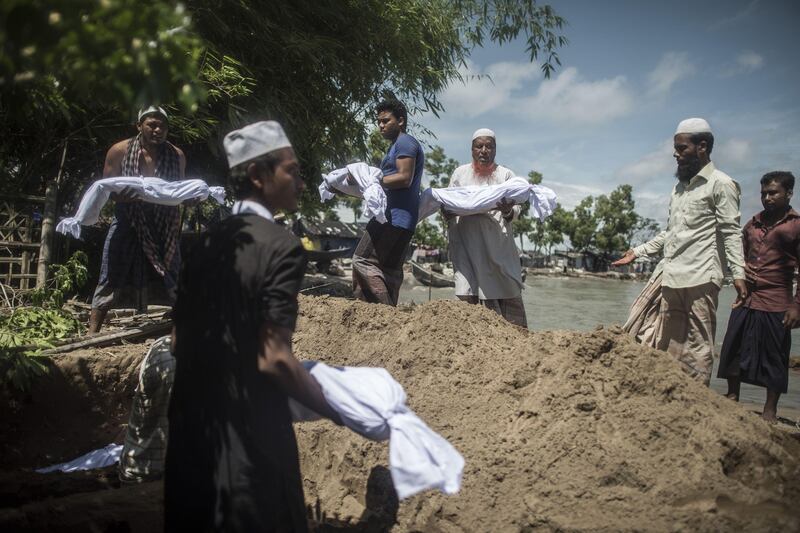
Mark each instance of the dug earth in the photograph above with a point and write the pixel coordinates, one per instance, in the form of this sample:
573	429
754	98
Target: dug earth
560	431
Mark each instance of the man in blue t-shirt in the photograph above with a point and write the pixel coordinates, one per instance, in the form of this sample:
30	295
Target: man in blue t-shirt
378	259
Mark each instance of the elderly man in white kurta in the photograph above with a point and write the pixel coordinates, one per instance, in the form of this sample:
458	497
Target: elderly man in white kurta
485	258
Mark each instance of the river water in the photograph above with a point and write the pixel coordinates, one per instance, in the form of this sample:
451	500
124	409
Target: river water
583	303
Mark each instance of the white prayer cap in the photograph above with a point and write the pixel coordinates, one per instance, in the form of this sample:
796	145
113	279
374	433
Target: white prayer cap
153	109
253	141
483	132
693	125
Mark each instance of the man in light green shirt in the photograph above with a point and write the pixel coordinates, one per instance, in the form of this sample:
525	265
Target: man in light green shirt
702	231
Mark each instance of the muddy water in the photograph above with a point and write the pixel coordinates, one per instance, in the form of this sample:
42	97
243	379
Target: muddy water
583	303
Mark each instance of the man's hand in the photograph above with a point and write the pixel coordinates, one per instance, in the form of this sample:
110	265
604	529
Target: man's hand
791	319
506	208
125	196
741	292
626	259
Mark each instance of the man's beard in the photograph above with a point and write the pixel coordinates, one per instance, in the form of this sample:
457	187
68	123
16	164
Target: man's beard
689	170
483	170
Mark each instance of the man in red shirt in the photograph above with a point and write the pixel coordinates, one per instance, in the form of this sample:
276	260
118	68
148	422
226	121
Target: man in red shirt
757	343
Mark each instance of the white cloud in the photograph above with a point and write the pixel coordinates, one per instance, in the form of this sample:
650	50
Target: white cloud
484	91
653	165
570	194
673	67
733	151
570	99
746	62
734	19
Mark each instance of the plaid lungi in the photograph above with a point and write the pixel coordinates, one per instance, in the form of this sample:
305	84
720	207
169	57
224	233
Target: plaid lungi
126	272
512	309
644	319
378	263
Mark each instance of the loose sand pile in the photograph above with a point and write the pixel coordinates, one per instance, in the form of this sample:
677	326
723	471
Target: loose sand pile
560	430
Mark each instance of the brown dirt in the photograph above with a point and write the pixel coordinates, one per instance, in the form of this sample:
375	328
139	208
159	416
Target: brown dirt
560	431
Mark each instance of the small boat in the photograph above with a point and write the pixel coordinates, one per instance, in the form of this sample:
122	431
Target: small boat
430	278
328	255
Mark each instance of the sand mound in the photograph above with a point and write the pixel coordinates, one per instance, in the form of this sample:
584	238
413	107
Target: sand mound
560	430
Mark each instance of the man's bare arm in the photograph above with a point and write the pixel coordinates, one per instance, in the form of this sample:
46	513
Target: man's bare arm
113	168
114	157
403	177
181	162
276	360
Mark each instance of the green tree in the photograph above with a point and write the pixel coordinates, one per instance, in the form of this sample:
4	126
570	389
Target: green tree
581	225
549	233
319	68
72	72
427	234
524	224
617	220
439	167
645	229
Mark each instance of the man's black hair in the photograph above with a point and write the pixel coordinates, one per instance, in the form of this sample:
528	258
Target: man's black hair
396	108
239	180
781	177
708	137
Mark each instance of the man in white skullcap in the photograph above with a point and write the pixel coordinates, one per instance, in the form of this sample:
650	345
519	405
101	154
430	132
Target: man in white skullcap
232	462
485	258
703	227
142	249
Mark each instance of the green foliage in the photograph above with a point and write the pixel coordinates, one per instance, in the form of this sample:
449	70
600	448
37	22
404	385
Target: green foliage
617	220
646	229
439	167
74	71
427	234
550	233
524	224
64	280
120	52
582	225
26	331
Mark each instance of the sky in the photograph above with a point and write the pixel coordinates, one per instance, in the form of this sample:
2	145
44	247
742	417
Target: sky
631	71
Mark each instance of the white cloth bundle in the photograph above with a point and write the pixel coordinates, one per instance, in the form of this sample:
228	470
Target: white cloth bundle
477	199
101	458
151	190
371	403
368	187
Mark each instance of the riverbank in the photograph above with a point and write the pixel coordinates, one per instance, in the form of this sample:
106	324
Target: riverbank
561	430
579	273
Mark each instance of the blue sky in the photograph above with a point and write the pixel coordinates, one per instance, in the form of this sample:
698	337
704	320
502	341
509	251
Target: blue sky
631	72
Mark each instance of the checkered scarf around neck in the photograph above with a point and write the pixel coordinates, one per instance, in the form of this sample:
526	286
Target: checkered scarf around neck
159	228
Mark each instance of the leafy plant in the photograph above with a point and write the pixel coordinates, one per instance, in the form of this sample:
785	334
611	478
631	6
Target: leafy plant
26	331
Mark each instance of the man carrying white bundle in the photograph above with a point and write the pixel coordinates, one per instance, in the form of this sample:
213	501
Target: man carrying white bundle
232	461
142	246
485	258
703	216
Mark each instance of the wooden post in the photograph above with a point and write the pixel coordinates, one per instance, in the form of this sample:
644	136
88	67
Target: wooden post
49	221
48	231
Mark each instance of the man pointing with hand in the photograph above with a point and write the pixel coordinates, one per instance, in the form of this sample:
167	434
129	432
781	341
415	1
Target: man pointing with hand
703	210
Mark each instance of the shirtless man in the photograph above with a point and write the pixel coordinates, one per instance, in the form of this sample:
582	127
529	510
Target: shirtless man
143	241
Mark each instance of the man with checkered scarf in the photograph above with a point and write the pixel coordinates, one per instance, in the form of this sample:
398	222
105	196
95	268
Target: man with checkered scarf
142	246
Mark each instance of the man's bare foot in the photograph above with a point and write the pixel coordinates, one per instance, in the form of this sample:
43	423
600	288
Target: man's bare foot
732	396
770	416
